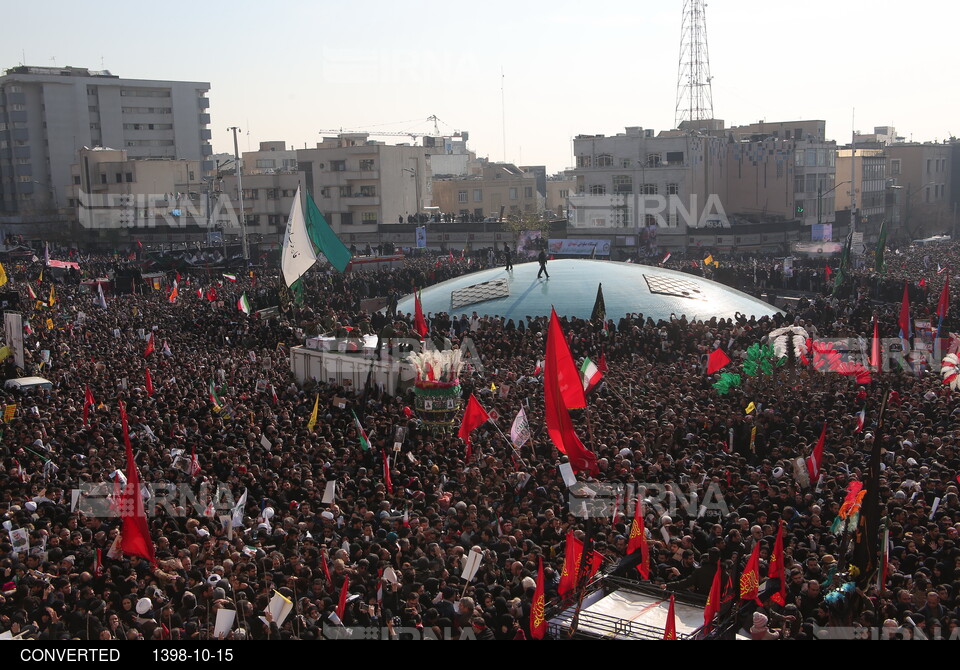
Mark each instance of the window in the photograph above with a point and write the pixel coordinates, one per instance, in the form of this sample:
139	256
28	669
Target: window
272	193
799	183
366	164
129	177
461	196
564	193
598	189
369	217
625	163
103	178
346	219
811	157
650	220
478	195
527	191
266	163
251	194
338	166
513	193
650	189
673	189
324	193
798	133
811	183
289	193
929	163
604	160
76	179
622	183
368	191
584	161
674	158
653	160
345	192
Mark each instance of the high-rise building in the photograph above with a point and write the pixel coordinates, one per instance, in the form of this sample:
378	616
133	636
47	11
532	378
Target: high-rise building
47	114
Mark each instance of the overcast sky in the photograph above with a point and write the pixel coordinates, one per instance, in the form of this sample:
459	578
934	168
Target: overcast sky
284	70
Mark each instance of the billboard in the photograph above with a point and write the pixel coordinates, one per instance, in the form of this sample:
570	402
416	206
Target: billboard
580	247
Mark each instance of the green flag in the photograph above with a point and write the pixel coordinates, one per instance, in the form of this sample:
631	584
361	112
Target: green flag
881	247
324	239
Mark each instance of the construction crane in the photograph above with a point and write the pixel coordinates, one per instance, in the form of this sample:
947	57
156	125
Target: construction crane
415	136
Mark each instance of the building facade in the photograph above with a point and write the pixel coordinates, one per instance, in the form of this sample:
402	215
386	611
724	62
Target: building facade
499	188
47	114
358	183
920	175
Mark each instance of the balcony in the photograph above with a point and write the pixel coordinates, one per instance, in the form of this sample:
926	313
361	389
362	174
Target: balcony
357	200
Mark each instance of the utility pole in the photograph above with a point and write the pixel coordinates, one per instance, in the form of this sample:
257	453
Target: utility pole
243	216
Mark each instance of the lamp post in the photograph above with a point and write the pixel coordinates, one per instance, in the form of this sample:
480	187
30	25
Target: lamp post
910	193
416	176
820	195
243	216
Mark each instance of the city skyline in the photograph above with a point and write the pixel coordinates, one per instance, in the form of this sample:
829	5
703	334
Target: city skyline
282	74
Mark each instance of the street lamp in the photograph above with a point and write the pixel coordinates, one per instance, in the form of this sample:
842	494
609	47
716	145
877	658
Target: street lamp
413	173
910	193
243	215
820	195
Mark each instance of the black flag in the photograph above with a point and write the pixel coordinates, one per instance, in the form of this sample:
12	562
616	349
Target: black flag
599	309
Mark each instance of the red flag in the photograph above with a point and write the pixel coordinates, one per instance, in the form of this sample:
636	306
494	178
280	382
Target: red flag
815	460
473	417
342	605
571	559
750	577
713	602
717	361
775	568
538	621
420	323
139	244
638	540
451	256
149	384
670	631
325	567
562	390
88	402
174	293
135	534
944	303
98	564
904	320
602	364
150	347
560	367
922	283
828	272
875	361
386	473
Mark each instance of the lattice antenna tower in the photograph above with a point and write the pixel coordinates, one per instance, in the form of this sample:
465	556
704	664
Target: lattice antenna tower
694	92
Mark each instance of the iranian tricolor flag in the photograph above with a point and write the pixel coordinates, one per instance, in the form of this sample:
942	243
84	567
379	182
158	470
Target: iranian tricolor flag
243	304
228	277
364	440
214	396
861	420
590	374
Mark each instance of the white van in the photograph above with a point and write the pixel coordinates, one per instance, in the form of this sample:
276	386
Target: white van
28	384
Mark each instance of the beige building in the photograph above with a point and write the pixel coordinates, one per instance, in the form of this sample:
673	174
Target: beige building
117	198
920	177
358	183
560	187
499	187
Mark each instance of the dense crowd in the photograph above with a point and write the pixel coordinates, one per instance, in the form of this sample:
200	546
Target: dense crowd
400	544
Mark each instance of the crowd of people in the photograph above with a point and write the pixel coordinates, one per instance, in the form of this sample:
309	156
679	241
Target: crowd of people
387	553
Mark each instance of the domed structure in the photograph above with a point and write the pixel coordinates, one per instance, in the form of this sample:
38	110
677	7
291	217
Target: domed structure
572	289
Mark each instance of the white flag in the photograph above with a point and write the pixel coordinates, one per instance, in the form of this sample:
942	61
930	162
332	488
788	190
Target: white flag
101	299
298	255
520	430
238	510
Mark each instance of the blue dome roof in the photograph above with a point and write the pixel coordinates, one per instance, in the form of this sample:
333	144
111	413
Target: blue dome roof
572	289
